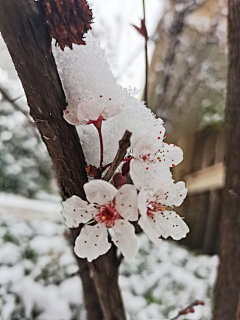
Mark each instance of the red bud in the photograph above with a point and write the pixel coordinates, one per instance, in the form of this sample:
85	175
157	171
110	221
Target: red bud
119	180
142	30
191	310
125	169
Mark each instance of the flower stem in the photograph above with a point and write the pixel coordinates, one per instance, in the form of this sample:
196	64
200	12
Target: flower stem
127	159
105	167
98	126
101	146
109	164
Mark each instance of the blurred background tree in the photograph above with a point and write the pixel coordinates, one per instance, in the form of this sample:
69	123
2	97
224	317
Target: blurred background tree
25	167
187	89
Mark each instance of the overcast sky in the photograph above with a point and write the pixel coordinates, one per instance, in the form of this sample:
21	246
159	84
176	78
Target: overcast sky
125	47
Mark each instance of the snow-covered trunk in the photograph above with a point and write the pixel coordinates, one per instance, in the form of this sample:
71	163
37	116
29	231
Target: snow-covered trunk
24	30
227	295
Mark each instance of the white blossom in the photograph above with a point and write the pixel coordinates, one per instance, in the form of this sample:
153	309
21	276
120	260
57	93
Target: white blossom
89	111
108	208
157	218
152	159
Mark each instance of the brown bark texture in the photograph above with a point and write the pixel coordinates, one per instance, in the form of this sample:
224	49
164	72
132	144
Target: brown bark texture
23	27
228	283
92	304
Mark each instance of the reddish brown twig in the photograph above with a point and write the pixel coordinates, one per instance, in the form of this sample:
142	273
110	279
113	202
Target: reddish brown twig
124	143
146	56
143	32
189	309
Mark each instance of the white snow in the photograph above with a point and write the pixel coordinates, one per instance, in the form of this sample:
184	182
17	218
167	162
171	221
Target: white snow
45	299
6	257
86	75
11	274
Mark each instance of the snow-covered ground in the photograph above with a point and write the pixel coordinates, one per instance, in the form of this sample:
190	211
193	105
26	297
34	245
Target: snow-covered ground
38	272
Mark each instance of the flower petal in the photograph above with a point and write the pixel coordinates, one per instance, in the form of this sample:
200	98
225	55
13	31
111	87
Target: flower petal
148	174
171	225
126	202
70	115
151	228
99	191
170	193
150	143
76	211
92	242
143	196
124	238
171	155
89	110
144	146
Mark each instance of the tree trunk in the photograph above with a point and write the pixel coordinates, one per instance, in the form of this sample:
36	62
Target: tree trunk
93	307
23	27
105	277
228	282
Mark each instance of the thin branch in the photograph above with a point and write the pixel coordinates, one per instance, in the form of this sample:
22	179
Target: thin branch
124	143
189	309
16	107
146	57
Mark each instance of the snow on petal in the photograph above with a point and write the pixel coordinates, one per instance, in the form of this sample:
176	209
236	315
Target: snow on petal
151	228
144	147
126	202
171	154
70	115
99	191
150	142
92	242
148	174
76	211
171	225
89	110
124	238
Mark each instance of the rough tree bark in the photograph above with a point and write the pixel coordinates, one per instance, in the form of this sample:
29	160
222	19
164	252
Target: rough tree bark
23	27
227	296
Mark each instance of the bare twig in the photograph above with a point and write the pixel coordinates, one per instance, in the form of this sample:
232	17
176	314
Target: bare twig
146	57
124	143
16	107
189	309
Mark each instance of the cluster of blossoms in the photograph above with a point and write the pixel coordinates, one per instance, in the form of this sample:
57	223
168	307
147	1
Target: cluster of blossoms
110	206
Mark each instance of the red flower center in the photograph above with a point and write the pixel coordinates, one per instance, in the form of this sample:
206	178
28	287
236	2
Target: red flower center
97	123
108	215
154	207
145	157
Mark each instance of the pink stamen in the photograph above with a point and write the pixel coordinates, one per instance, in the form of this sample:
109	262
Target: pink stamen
153	207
